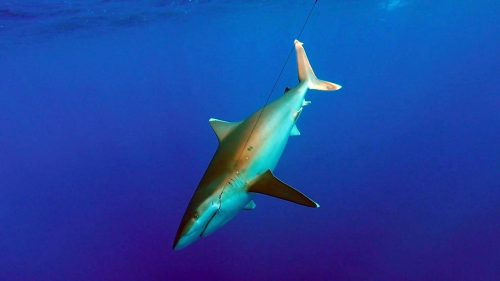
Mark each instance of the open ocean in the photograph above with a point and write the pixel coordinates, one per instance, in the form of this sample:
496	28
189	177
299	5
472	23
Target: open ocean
104	136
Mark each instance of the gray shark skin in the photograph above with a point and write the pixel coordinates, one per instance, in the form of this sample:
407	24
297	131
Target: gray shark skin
247	154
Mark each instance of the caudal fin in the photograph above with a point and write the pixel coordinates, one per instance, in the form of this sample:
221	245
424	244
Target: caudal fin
306	73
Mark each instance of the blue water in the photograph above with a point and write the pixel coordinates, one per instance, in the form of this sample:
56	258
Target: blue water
104	135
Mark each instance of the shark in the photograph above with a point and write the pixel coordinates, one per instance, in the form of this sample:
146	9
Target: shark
246	157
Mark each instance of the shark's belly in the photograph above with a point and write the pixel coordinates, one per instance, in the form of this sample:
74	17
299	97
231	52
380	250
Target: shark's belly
256	145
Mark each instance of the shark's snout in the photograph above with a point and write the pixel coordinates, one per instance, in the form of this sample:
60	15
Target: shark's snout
193	225
185	240
189	231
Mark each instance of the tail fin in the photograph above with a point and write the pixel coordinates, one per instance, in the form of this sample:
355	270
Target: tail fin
306	72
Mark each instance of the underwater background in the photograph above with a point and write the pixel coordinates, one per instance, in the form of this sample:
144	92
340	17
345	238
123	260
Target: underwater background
104	135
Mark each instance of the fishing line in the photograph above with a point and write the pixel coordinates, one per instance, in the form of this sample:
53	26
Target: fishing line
289	55
279	76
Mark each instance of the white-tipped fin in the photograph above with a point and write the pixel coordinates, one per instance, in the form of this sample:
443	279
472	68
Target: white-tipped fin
306	73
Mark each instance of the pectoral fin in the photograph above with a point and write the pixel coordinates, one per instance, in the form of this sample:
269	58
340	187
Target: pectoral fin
268	184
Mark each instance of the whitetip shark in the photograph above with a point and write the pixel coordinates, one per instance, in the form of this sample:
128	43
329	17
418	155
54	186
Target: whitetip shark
247	154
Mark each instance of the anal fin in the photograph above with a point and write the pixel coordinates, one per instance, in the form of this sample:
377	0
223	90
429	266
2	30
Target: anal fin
295	131
268	184
250	206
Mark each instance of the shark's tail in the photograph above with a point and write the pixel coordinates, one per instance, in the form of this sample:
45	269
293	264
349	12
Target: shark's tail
306	73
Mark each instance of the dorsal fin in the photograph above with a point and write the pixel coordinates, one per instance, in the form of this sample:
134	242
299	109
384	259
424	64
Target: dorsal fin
268	184
222	128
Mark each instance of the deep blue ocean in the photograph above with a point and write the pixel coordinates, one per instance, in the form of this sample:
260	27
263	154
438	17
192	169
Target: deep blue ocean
104	136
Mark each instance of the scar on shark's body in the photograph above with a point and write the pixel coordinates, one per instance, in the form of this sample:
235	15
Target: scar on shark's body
247	154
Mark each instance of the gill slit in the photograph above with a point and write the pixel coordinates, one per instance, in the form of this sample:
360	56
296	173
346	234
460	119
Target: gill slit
215	213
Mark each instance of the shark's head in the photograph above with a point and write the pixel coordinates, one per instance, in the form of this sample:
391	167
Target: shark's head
194	223
210	209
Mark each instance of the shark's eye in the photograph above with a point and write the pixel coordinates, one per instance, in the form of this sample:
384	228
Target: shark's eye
196	215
